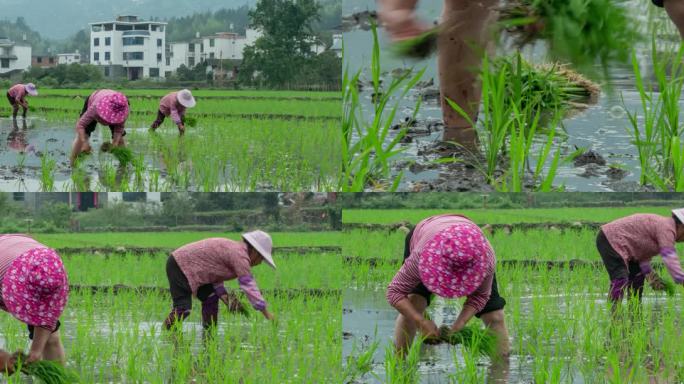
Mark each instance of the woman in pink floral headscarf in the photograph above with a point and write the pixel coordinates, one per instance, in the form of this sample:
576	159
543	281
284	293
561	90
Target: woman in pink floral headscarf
106	107
447	255
34	289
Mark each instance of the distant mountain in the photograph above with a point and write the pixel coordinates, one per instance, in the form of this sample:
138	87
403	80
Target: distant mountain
59	19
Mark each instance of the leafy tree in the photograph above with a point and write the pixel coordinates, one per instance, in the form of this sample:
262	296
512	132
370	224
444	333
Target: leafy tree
286	42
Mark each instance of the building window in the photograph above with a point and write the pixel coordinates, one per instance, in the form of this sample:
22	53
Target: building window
159	42
168	61
133	56
39	59
96	41
133	41
191	61
96	56
107	56
133	197
159	57
18	196
154	72
120	27
52	60
108	41
211	55
107	72
191	48
212	43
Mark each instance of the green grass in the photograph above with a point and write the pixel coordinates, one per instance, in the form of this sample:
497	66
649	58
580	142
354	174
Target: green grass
176	239
501	216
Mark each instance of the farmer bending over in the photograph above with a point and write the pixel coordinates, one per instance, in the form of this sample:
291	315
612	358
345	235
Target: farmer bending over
200	268
627	246
463	37
16	96
106	107
447	255
174	105
675	9
34	290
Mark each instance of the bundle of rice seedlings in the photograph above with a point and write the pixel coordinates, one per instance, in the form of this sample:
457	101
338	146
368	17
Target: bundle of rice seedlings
123	154
47	371
580	31
190	122
481	340
418	47
551	86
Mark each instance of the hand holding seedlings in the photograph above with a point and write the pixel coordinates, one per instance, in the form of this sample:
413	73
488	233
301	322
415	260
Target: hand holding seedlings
234	305
7	363
268	315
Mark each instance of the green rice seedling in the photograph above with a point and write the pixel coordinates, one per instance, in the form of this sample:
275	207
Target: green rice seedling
123	154
418	47
480	340
190	121
47	169
366	161
579	31
359	364
402	368
47	371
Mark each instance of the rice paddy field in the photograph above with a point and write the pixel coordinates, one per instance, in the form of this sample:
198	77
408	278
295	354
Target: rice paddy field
112	325
600	143
560	324
242	141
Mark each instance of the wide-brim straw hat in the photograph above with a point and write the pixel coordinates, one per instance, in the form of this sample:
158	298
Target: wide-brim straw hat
186	99
31	89
261	241
455	262
679	213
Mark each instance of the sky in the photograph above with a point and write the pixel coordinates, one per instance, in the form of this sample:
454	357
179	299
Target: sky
59	19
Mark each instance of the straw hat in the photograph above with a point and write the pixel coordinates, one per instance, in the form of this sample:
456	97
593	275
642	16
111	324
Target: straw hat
113	108
185	98
31	89
262	242
456	261
35	287
679	214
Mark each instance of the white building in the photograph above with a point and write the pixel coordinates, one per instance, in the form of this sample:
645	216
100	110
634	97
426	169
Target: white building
337	44
13	56
68	58
221	46
129	48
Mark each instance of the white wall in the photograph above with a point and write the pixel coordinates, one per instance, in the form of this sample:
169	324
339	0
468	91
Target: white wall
68	58
23	54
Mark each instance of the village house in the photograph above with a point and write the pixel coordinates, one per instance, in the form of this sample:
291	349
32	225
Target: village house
14	56
129	48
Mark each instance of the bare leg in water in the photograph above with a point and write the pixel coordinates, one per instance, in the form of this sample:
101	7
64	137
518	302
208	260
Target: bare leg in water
464	38
675	9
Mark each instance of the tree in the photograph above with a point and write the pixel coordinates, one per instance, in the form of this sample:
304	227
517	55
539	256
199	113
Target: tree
285	46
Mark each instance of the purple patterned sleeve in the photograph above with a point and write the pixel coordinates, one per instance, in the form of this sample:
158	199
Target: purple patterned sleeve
175	115
645	267
249	287
220	290
671	261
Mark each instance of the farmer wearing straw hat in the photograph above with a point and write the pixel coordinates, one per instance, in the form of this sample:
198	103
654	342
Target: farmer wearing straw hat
34	290
464	35
174	105
16	96
200	268
447	255
106	107
627	246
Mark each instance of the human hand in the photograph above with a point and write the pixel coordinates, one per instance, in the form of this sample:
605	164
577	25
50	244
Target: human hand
268	315
8	363
655	281
430	331
402	24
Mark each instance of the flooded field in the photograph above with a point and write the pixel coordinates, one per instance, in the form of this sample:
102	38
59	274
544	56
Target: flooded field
285	149
112	325
602	126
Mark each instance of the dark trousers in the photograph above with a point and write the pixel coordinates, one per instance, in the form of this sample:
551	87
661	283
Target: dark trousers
181	294
623	278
